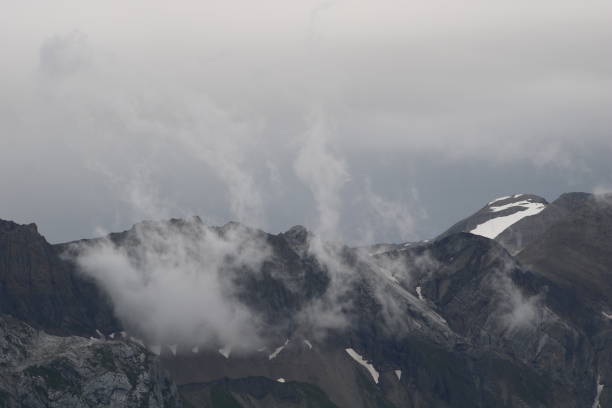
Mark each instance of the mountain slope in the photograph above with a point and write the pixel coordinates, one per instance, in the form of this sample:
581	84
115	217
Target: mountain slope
495	330
520	234
576	253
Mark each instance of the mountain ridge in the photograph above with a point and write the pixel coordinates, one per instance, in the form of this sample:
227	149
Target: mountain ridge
458	321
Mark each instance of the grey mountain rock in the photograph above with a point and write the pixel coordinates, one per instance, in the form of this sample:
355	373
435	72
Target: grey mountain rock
522	233
41	370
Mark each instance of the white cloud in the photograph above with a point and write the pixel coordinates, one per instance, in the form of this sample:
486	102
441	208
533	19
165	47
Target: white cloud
174	283
325	174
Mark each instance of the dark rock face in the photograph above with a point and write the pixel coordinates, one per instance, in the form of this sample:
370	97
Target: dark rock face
39	287
40	370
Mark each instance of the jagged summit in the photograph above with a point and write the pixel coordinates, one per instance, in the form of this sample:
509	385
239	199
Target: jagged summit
9	226
296	231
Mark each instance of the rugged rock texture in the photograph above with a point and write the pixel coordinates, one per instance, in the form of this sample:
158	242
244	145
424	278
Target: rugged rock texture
40	370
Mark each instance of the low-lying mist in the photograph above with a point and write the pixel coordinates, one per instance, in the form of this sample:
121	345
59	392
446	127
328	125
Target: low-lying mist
172	282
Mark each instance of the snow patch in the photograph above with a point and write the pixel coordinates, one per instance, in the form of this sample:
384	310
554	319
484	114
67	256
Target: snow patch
281	380
600	388
112	335
226	351
308	344
358	358
495	226
418	291
398	374
278	350
100	335
606	315
155	349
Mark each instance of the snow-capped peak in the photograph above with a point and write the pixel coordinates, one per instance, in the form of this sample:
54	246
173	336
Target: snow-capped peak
511	209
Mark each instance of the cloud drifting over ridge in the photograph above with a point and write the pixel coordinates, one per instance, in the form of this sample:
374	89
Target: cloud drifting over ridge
192	106
173	283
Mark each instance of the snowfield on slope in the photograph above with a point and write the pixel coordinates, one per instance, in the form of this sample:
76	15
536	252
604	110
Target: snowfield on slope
495	226
358	358
278	350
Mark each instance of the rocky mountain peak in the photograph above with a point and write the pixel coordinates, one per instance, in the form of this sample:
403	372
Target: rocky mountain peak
16	230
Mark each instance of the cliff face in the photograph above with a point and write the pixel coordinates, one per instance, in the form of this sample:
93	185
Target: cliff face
39	287
41	370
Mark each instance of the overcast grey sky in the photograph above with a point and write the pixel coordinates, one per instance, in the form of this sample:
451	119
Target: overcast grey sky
364	120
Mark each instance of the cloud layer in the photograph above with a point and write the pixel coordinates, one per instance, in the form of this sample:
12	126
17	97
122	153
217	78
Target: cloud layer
277	113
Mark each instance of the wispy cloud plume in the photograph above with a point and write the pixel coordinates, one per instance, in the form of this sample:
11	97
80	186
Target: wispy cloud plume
325	174
172	282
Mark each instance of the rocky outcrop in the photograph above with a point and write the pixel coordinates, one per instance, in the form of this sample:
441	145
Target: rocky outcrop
41	370
41	288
